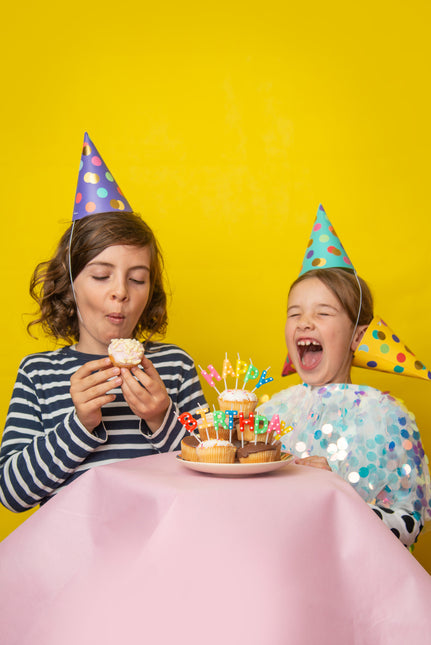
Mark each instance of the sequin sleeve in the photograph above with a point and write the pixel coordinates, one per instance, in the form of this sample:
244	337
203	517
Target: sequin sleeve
369	439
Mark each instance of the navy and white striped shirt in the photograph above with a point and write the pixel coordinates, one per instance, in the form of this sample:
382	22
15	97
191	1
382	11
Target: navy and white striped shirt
44	445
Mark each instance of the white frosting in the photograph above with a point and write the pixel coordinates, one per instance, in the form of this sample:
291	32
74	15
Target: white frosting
126	350
213	443
238	395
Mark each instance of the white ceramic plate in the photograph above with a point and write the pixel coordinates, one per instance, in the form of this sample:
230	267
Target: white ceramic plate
238	470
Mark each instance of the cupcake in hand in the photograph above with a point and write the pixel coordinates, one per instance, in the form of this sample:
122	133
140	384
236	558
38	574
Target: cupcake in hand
125	352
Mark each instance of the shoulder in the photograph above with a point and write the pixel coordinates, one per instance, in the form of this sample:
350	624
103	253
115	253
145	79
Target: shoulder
58	360
385	399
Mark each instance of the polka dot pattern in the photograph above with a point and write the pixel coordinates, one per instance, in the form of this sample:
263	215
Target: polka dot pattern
97	190
367	437
324	248
383	350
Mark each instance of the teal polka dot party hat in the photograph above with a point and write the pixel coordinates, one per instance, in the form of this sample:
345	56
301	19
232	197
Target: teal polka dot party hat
380	349
97	190
324	249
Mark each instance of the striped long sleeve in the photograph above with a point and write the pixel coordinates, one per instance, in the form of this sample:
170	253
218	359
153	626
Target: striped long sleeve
45	447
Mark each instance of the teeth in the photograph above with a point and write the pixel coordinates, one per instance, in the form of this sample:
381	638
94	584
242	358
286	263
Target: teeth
306	343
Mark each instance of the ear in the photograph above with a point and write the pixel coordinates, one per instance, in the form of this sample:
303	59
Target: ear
359	334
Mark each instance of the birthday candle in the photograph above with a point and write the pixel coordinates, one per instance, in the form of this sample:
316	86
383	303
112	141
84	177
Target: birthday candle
257	429
252	373
210	375
202	412
274	424
249	421
219	420
242	423
263	379
283	430
189	423
230	415
241	368
227	369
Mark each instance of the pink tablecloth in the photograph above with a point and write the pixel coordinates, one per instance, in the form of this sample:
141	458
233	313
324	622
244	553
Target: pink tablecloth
147	551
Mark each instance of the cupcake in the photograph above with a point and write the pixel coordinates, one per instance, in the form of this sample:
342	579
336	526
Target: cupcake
240	400
257	453
188	448
210	432
216	451
249	435
125	352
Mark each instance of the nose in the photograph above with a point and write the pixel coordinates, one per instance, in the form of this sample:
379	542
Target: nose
119	289
305	321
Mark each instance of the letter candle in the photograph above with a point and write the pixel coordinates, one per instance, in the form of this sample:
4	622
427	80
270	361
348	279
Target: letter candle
202	412
189	423
260	430
274	426
252	373
227	369
283	430
230	414
219	420
241	368
242	422
263	379
210	376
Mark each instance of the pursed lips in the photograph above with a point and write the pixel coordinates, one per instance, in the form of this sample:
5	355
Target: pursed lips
116	317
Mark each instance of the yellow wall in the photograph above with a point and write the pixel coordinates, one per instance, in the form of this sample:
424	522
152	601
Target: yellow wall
226	127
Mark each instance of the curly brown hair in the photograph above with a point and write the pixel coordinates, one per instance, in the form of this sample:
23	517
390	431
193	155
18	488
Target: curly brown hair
50	284
344	286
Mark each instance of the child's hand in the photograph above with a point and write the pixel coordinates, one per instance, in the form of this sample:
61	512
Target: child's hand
149	402
89	388
315	462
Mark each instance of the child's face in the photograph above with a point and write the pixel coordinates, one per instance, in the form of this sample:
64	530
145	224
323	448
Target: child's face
111	292
319	334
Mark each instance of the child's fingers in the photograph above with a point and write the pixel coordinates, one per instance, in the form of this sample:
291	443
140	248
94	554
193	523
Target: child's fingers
93	374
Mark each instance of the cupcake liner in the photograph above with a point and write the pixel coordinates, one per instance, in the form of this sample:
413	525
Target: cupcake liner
246	407
188	452
217	454
223	433
259	457
248	435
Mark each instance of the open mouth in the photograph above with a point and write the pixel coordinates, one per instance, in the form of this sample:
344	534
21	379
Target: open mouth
310	353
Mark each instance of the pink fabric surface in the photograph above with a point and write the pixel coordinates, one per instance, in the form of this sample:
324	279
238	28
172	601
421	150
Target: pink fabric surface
146	551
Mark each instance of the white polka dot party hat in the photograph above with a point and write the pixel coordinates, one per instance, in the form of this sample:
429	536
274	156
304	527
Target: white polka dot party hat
97	190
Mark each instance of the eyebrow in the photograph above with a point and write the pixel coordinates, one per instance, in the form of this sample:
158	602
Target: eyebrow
109	265
319	305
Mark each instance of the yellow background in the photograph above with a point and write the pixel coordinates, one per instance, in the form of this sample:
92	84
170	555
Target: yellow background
226	126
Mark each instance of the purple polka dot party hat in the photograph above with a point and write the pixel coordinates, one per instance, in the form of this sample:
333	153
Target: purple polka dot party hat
380	348
324	249
97	190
